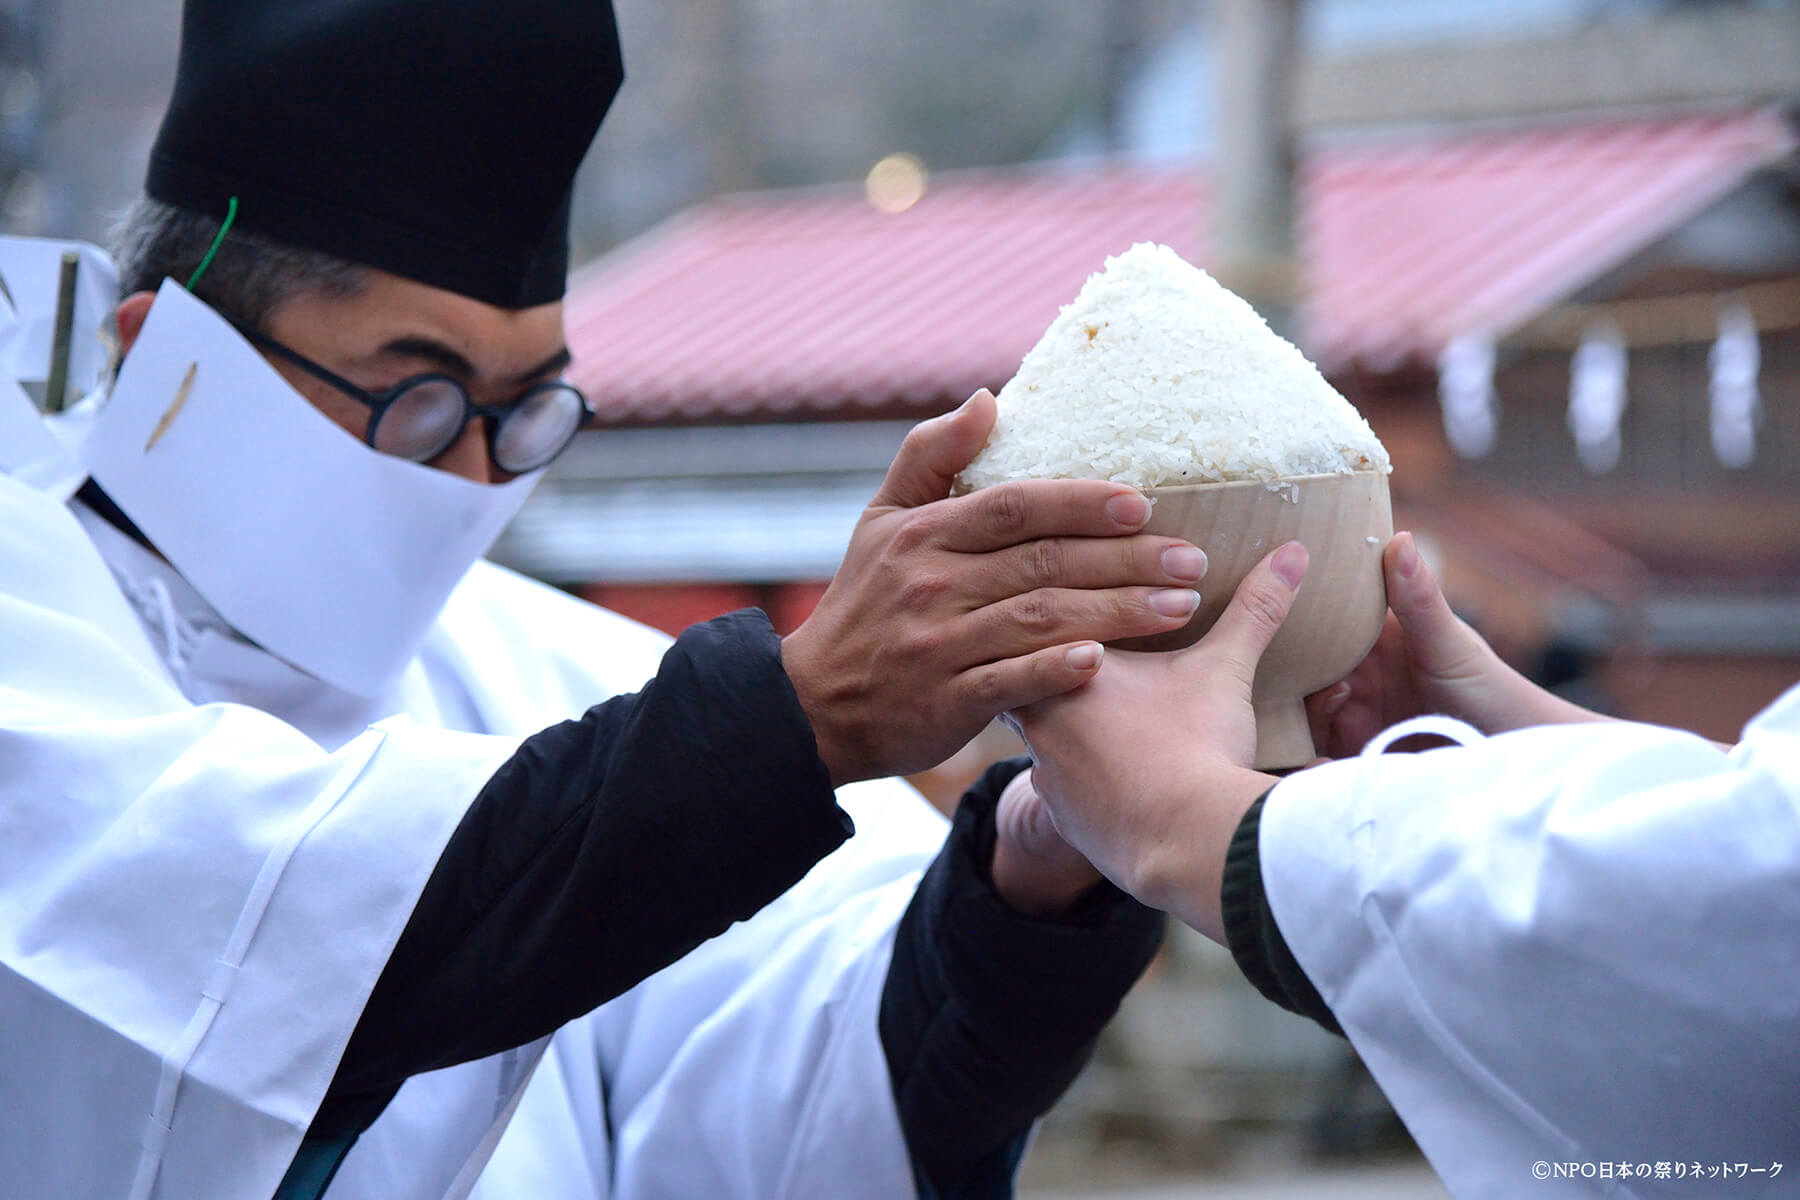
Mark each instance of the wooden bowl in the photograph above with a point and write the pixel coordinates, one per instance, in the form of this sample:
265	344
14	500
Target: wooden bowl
1344	521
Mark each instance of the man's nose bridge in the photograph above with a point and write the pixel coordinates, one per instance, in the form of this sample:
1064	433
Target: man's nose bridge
468	455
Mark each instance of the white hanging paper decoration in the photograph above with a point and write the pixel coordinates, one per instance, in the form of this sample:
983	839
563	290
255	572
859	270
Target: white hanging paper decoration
1734	360
1466	394
1597	397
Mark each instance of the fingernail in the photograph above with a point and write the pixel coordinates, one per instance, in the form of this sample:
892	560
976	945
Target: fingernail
1128	509
1289	564
1407	559
1175	602
1184	562
959	410
1084	657
1334	699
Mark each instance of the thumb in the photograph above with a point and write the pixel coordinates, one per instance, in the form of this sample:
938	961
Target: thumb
1434	634
934	451
1257	609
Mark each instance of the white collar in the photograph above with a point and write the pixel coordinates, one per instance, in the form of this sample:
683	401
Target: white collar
210	662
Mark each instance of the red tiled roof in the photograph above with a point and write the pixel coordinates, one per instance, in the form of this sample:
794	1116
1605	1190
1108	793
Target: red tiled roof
792	304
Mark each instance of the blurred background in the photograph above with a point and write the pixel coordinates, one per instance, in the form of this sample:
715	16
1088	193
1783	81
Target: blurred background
1550	248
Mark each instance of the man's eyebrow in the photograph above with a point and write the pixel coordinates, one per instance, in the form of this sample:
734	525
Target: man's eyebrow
431	351
453	362
554	365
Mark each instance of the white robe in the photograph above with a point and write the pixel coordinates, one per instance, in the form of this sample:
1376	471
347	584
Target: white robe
1564	949
206	857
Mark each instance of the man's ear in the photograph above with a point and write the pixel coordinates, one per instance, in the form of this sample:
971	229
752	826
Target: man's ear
130	318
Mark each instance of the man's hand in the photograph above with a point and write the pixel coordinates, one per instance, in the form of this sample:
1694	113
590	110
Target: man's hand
1147	770
946	612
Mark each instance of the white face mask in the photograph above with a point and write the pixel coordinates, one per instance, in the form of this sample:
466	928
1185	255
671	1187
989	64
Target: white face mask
323	551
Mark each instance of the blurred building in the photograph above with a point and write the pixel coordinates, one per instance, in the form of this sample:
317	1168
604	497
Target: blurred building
1503	191
757	360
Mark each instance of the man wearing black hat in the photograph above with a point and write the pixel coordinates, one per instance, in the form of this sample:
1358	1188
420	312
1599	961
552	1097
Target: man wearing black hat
337	865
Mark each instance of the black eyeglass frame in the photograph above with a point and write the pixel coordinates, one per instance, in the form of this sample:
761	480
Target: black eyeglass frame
496	415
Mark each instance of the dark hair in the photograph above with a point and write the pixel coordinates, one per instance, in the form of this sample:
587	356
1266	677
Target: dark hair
248	278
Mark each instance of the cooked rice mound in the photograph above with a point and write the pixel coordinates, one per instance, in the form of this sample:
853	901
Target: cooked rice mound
1157	376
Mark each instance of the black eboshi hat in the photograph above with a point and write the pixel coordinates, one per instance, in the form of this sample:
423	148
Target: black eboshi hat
435	139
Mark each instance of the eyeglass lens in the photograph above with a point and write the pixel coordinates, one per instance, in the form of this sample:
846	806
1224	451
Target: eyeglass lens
422	421
537	430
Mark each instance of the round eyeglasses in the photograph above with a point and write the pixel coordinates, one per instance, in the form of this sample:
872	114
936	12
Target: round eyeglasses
421	417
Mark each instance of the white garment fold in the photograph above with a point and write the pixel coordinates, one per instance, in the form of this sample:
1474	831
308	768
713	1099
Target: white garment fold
1575	944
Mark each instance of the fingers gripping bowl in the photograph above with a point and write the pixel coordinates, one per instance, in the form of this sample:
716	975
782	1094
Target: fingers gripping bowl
1344	521
1158	377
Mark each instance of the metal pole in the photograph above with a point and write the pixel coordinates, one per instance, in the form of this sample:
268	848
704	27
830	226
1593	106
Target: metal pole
58	383
1253	184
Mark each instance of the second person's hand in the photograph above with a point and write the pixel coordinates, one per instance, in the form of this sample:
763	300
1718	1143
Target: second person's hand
1148	770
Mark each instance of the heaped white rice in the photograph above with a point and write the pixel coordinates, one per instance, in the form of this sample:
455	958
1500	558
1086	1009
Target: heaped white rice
1156	376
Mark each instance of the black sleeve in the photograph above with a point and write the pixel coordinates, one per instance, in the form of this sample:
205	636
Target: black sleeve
602	851
988	1014
1256	943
